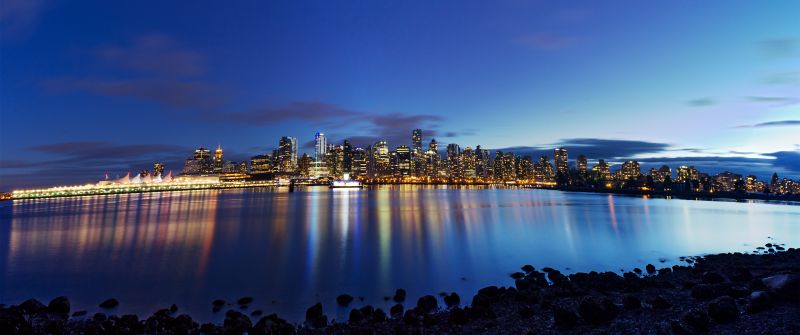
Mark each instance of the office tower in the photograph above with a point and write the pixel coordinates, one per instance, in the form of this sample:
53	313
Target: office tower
218	162
452	159
320	146
382	159
260	165
601	171
562	161
347	157
582	165
630	170
287	154
416	141
158	169
403	156
468	163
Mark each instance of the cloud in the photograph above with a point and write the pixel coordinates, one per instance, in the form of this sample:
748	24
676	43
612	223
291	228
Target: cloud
701	102
594	148
781	47
86	161
545	41
172	93
155	54
781	123
305	111
18	18
783	78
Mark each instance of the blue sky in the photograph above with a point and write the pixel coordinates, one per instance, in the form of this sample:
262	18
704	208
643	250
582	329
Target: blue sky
92	87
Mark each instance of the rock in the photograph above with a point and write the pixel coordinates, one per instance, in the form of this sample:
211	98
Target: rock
660	302
522	284
427	304
631	302
712	278
396	311
32	306
784	286
596	311
344	299
452	300
356	316
564	317
78	314
173	308
99	317
458	316
650	268
637	270
557	277
525	312
400	295
547	269
256	313
236	323
218	302
110	303
528	268
723	309
379	315
314	312
59	305
244	301
705	292
367	311
696	319
758	301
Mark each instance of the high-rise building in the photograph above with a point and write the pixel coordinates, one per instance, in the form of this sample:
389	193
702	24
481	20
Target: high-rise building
260	165
562	161
200	163
416	141
287	154
432	159
688	173
468	163
452	158
601	171
382	159
347	157
320	146
403	157
582	165
359	163
218	162
630	170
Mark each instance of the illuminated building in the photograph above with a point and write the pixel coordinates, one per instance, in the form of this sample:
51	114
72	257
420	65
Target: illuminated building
524	168
601	171
320	146
260	165
359	163
417	155
432	160
468	163
218	162
543	170
728	182
380	152
452	158
158	169
305	166
199	164
287	154
630	170
483	163
416	141
334	161
562	161
582	165
689	173
347	157
403	158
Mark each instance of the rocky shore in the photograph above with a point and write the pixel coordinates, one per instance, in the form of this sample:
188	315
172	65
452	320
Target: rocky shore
726	293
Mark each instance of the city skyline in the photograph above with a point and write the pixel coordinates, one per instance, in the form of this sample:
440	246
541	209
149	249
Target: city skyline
709	85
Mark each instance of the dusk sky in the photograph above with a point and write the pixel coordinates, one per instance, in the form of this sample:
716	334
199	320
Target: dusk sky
95	87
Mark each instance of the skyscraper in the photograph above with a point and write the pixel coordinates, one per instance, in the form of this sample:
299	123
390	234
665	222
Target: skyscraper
218	163
562	162
416	141
320	146
287	154
582	165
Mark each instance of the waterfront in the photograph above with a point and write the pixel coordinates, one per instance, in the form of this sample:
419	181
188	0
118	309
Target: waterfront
150	250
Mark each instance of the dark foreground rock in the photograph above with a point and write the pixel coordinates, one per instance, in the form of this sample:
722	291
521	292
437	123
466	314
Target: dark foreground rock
725	293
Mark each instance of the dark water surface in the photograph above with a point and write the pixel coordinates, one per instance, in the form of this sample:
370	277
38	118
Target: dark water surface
290	250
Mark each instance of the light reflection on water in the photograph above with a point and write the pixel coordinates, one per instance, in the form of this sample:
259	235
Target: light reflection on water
290	250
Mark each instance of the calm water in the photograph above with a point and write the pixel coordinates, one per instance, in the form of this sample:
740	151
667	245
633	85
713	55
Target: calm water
290	250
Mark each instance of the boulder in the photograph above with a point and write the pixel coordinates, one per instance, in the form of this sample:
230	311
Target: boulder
660	302
696	319
784	286
244	301
631	302
528	268
32	306
396	311
710	277
344	299
597	311
517	275
236	323
400	295
427	304
59	305
452	300
218	302
758	301
650	268
458	316
723	309
315	317
110	303
356	316
378	315
564	317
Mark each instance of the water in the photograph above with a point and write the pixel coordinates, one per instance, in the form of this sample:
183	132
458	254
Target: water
290	250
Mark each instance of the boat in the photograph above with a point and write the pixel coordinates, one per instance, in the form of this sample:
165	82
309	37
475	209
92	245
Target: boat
346	182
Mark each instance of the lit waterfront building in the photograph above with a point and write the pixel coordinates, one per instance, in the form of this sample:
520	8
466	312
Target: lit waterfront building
582	165
630	170
380	153
687	173
483	163
452	159
561	160
543	170
403	159
468	163
728	182
753	185
359	163
601	170
524	167
260	165
287	154
199	164
416	141
218	162
320	146
432	160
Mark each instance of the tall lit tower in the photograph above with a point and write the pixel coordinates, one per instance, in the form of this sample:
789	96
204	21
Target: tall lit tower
321	146
416	141
562	163
582	165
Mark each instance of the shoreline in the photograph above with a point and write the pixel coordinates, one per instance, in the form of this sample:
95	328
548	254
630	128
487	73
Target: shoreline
720	293
700	196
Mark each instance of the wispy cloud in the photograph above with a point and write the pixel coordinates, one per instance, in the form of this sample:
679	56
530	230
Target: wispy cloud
781	123
781	47
545	41
157	54
701	102
169	92
18	18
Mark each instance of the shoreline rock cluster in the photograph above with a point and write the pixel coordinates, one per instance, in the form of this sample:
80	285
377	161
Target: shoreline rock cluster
723	293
